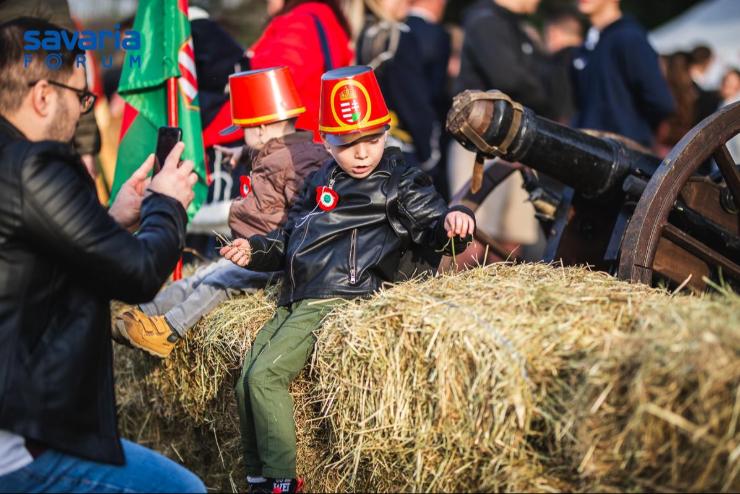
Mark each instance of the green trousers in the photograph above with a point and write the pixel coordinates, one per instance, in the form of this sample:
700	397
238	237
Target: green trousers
278	353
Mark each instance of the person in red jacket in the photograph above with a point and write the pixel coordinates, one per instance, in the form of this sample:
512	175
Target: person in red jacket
310	37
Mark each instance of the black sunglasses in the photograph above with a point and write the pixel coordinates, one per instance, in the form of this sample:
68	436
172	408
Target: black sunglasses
87	99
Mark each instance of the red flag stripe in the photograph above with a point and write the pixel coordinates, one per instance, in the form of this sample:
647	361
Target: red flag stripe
186	62
187	88
129	115
188	48
190	76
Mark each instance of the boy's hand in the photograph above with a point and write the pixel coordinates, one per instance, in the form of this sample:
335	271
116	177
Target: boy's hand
239	252
459	223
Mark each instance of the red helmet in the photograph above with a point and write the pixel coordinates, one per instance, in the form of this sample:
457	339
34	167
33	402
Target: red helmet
352	105
260	97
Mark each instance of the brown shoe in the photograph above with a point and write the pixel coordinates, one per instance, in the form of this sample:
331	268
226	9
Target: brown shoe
151	334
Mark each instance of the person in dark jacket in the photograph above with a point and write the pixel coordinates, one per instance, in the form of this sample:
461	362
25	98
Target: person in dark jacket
425	22
387	45
618	83
499	52
217	56
63	258
708	101
340	242
563	35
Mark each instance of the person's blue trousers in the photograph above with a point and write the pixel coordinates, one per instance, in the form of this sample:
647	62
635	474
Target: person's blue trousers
144	471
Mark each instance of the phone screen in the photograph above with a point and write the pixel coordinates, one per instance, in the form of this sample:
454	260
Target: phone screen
167	137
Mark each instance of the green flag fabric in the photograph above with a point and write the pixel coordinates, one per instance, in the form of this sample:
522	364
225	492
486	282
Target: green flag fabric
166	51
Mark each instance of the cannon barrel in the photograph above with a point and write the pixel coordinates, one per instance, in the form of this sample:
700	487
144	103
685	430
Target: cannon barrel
593	166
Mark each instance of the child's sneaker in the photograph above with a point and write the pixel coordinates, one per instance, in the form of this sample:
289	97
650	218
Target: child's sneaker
280	486
151	334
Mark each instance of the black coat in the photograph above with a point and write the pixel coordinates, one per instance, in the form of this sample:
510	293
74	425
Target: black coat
433	41
402	80
618	84
498	54
62	260
352	249
217	56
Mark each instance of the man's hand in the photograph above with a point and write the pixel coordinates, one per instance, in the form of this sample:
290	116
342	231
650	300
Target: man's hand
176	181
239	252
126	210
459	223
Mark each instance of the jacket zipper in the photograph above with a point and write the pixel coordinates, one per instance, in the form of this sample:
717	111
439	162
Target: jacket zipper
353	258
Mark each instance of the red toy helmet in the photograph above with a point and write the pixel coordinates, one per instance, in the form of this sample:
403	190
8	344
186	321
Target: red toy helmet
352	105
261	97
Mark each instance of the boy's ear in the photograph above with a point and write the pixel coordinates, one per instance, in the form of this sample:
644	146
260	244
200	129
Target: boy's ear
326	145
262	133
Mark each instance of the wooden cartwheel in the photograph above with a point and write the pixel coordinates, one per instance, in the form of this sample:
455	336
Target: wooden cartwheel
684	222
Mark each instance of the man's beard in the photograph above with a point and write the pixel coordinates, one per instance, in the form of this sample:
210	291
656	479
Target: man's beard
62	126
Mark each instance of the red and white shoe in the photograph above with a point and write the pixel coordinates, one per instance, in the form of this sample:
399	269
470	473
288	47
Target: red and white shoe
281	486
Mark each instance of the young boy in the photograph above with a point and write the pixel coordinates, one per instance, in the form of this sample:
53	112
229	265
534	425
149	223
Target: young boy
343	239
266	104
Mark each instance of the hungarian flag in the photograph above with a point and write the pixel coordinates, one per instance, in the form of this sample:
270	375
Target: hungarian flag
166	51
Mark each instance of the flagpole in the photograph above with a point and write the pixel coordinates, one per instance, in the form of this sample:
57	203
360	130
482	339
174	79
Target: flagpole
172	122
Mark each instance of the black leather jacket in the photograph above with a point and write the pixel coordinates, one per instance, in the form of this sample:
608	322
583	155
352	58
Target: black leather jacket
352	249
62	259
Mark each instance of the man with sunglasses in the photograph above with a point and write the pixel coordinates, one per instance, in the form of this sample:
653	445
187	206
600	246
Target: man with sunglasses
63	257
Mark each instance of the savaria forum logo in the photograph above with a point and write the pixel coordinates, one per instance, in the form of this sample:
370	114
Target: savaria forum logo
87	40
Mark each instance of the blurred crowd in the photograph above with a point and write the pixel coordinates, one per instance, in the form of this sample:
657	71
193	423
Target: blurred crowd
686	73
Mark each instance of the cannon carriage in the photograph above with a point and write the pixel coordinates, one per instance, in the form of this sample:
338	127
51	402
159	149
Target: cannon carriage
620	208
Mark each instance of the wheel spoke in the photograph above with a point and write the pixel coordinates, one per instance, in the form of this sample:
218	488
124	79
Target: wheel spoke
729	171
700	250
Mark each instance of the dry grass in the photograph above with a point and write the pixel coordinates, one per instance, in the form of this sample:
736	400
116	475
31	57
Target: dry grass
660	405
504	378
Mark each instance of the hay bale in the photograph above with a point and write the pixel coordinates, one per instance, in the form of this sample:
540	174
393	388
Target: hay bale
487	380
660	405
459	383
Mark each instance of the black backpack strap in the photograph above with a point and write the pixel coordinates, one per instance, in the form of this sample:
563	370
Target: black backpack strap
324	42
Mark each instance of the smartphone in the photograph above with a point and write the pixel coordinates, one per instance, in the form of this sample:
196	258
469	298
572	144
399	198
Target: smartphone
167	137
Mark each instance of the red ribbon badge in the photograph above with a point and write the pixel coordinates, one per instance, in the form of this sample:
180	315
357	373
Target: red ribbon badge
326	198
245	185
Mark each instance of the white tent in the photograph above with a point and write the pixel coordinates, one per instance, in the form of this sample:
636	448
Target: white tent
715	23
